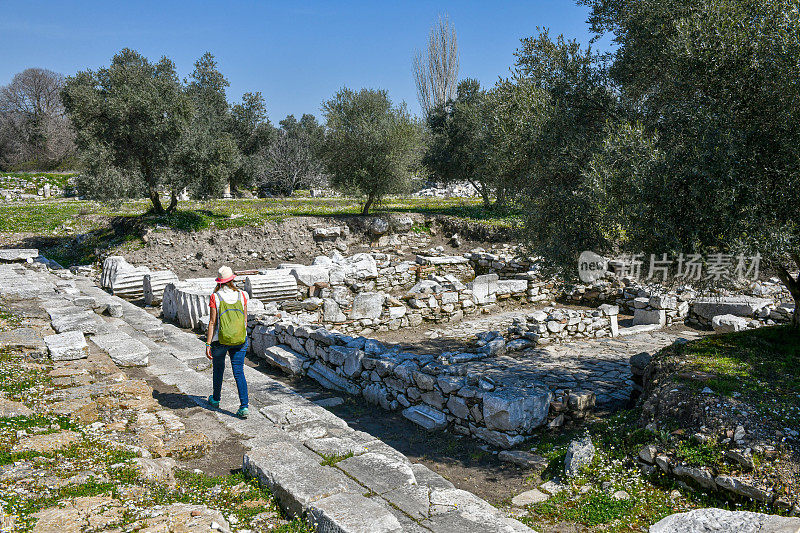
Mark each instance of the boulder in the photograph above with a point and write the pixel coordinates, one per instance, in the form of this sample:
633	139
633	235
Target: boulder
579	454
378	226
728	323
711	519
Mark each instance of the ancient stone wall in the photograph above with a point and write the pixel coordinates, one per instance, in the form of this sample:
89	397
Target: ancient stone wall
434	391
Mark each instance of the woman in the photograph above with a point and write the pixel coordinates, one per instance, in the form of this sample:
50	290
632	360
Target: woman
227	334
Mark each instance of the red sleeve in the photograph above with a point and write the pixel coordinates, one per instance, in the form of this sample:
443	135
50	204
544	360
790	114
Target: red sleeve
213	303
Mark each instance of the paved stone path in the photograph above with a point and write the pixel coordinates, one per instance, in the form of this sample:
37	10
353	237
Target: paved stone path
599	365
313	462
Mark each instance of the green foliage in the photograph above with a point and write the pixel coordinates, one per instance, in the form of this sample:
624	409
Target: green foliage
330	460
371	146
129	117
460	145
707	158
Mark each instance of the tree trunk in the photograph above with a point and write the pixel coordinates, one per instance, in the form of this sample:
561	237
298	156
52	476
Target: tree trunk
173	202
368	204
500	198
794	289
156	201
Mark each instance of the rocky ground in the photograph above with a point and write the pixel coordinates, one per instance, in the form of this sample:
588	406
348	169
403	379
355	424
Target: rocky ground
86	447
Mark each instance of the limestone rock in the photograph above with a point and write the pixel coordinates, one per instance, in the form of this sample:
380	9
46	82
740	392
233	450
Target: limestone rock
529	497
67	346
516	409
289	361
10	408
728	323
580	453
708	520
47	442
367	305
426	416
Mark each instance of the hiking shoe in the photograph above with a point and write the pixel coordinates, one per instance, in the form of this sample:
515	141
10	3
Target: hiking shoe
212	401
243	412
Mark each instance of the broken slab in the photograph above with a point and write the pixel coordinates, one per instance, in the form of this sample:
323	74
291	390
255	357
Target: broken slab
743	306
426	416
282	357
516	409
367	305
352	513
67	346
123	349
18	255
711	519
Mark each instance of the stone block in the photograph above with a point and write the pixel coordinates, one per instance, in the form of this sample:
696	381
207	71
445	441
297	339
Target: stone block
644	317
743	306
516	409
426	416
484	288
293	477
728	323
367	305
67	346
379	472
352	513
288	361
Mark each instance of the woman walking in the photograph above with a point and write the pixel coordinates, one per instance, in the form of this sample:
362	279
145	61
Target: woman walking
227	335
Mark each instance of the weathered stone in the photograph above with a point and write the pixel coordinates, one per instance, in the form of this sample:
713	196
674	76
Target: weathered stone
293	477
743	488
378	472
67	346
352	513
123	349
426	416
529	497
367	305
580	453
47	442
458	407
708	520
728	323
644	316
289	361
702	476
742	306
516	409
523	459
496	438
10	409
156	470
484	288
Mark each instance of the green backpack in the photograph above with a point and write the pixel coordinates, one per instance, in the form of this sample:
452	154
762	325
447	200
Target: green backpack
232	322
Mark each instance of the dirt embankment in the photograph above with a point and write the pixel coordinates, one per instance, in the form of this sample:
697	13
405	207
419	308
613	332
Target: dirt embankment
293	240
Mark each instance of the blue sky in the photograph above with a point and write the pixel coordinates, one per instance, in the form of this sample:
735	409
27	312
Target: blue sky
296	53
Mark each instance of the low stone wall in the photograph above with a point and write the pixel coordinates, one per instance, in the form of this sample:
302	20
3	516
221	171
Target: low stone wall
741	312
505	264
434	391
553	324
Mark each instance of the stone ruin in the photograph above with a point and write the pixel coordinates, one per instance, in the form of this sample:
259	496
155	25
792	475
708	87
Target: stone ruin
313	320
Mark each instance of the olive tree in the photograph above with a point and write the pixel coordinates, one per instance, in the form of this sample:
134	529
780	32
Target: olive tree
130	117
708	158
371	146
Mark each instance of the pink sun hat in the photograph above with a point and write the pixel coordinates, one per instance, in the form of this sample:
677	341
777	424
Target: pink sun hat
225	274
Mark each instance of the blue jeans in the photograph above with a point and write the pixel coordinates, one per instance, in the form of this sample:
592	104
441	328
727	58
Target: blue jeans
237	353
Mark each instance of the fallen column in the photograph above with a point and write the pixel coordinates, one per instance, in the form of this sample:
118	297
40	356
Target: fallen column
272	286
154	283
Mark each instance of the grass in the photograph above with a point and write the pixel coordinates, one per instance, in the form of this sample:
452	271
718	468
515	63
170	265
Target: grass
30	182
83	215
761	366
332	459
